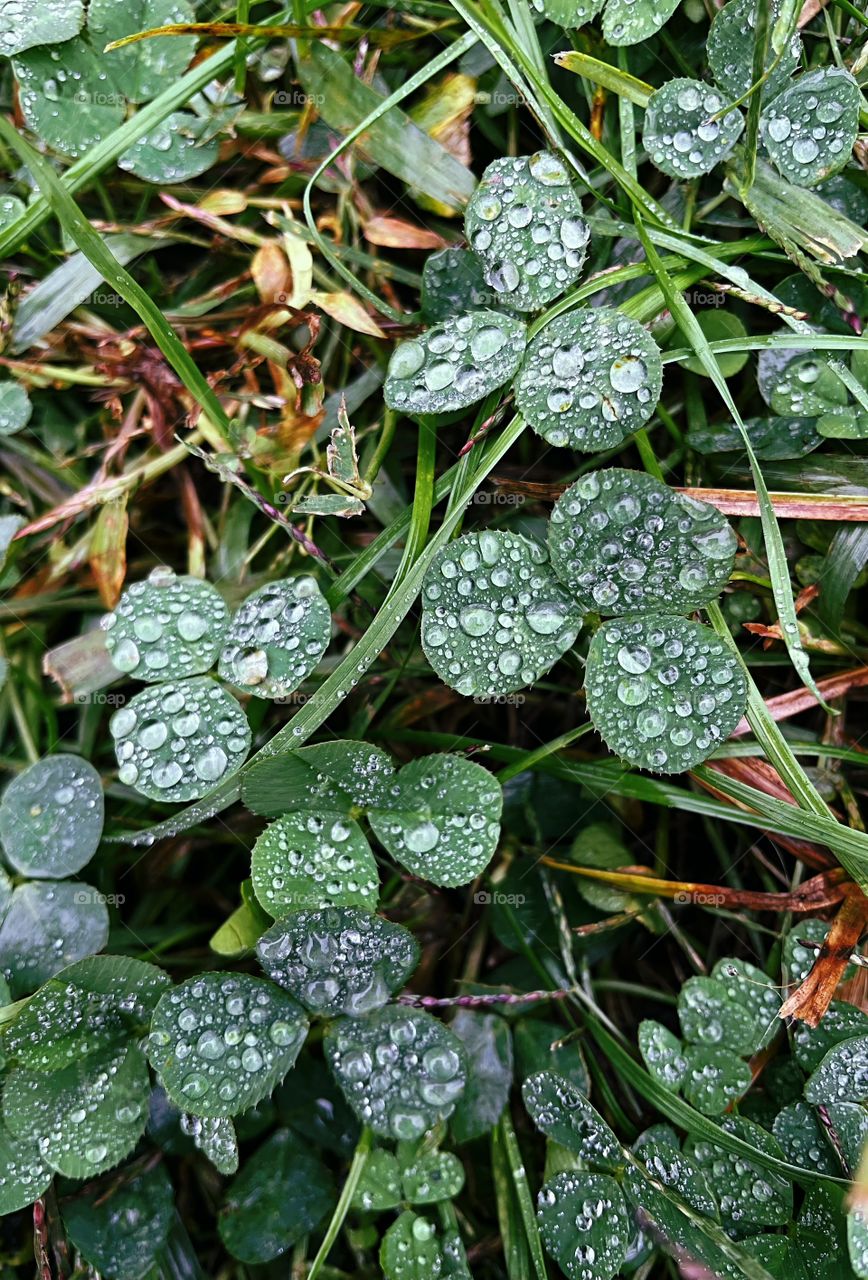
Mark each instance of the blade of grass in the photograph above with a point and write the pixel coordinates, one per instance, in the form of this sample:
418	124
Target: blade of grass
94	247
774	543
512	1151
105	153
437	64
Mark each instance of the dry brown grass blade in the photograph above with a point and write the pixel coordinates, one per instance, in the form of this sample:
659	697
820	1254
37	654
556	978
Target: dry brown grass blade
809	1002
824	890
785	705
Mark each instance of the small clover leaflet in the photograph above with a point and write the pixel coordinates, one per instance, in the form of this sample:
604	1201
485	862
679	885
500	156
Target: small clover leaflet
399	1069
662	692
681	133
590	378
221	1041
454	363
338	960
623	542
442	819
525	222
495	618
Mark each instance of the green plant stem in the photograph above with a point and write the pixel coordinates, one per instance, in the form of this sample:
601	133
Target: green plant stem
531	758
515	1161
356	1169
423	497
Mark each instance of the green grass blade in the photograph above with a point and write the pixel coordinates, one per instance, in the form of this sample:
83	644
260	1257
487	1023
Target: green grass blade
94	247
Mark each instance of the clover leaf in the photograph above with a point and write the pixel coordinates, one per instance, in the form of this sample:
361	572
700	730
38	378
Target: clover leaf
681	131
715	1078
276	638
177	740
32	22
590	378
399	1069
454	363
442	819
494	617
47	926
120	1234
730	45
24	1174
87	1116
809	130
662	692
222	1041
842	1075
627	22
166	625
281	1194
584	1225
93	1006
51	817
624	542
662	1053
338	960
749	1195
73	97
525	222
563	1113
303	860
15	406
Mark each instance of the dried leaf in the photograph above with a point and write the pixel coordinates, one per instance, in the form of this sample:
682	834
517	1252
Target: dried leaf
108	550
348	311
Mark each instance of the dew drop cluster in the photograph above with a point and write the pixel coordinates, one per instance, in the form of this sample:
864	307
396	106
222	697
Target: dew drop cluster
400	1069
454	363
623	542
495	616
221	1042
590	378
525	222
662	691
178	740
338	960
